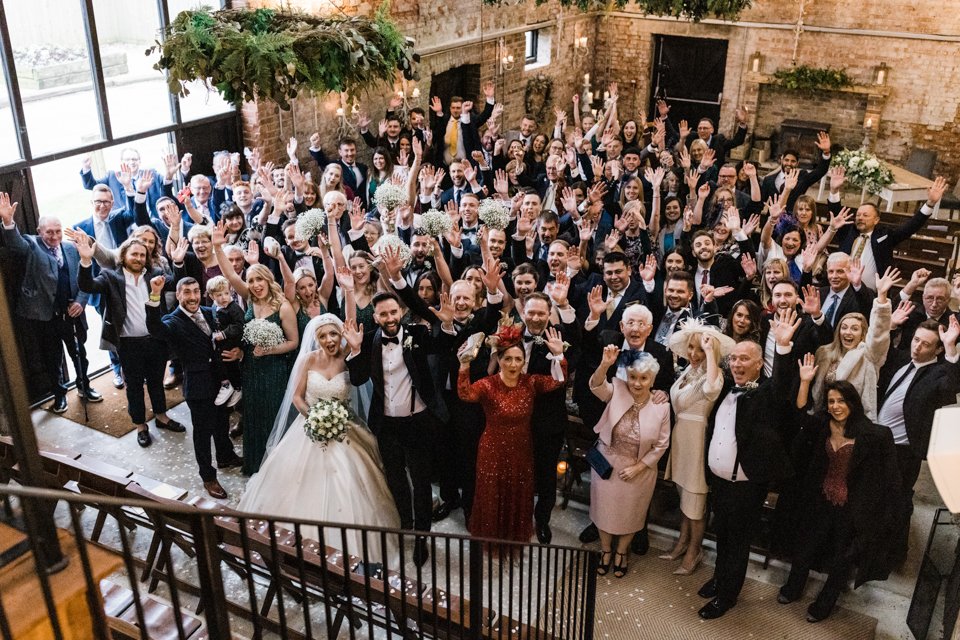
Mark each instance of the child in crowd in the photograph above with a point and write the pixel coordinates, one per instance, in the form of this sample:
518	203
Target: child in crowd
227	334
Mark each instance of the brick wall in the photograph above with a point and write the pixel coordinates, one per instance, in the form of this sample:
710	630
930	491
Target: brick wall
844	111
919	106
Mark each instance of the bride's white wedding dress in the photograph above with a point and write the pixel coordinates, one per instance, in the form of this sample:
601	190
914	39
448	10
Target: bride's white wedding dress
341	482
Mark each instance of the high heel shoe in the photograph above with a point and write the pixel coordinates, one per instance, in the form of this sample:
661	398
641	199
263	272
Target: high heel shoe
604	567
620	570
673	555
682	571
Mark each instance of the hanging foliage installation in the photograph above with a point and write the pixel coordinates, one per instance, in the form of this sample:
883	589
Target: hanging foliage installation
695	10
276	55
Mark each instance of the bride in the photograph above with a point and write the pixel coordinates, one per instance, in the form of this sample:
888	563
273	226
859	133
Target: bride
336	482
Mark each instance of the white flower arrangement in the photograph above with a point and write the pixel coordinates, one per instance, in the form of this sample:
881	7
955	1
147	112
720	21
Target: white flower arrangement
390	196
863	169
260	332
327	420
494	214
311	223
435	223
391	240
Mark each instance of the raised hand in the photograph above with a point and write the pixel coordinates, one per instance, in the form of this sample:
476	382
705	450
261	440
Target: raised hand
292	148
559	289
179	252
936	191
808	367
613	237
587	229
353	335
392	264
436	106
295	176
708	159
842	219
218	234
663	108
649	269
314	140
749	264
785	325
573	259
750	169
811	300
170	164
703	191
885	282
555	341
345	278
774	209
731	219
741	114
86	246
445	312
902	313
949	335
610	354
684	129
252	254
855	272
838	175
7	210
808	258
685	161
156	285
382	127
751	224
654	177
790	179
186	162
125	177
823	142
493	273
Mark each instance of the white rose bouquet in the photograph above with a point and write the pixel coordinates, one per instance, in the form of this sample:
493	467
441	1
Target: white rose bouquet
260	332
494	214
390	196
311	223
327	420
391	240
435	223
863	169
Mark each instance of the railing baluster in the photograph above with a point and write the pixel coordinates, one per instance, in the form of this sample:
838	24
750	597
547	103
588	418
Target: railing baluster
93	602
40	504
4	624
212	595
348	582
366	581
301	576
325	580
132	572
248	570
277	572
446	542
590	609
403	578
388	612
171	582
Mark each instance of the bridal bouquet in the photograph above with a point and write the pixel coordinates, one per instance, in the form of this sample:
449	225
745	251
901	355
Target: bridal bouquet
864	169
327	420
390	196
391	240
260	332
435	223
494	214
311	223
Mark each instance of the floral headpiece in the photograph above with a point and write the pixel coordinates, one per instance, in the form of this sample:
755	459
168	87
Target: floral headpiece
509	334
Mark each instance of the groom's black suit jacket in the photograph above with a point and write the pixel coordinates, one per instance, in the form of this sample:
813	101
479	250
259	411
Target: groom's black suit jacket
192	346
368	365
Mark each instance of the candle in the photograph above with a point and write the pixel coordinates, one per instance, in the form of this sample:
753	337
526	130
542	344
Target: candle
755	67
416	92
339	112
881	76
869	123
606	95
562	467
586	78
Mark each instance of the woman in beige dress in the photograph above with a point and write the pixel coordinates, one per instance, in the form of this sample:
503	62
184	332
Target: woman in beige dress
634	435
692	397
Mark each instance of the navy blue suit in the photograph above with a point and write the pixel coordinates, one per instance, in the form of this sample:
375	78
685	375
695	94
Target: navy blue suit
349	178
119	193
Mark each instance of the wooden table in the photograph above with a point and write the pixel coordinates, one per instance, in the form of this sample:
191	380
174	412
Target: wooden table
906	187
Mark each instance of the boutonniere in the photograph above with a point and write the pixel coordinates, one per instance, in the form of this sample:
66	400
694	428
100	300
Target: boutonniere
540	340
408	343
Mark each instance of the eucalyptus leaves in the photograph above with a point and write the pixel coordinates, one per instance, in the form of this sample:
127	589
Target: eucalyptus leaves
695	10
275	55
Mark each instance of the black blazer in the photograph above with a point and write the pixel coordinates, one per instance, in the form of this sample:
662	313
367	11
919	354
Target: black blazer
720	144
853	301
368	365
725	272
764	430
635	292
808	178
111	284
884	237
933	386
902	336
550	409
192	346
808	338
349	179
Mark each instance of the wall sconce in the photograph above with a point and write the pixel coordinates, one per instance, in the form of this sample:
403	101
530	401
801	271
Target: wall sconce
409	98
504	56
580	43
880	73
346	115
756	62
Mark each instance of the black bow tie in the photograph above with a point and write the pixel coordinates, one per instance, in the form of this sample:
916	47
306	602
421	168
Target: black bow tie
743	389
470	230
528	338
393	340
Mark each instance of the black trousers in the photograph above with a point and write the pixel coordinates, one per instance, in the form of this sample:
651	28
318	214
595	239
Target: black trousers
407	444
546	452
143	361
51	334
827	540
210	422
457	450
909	464
736	518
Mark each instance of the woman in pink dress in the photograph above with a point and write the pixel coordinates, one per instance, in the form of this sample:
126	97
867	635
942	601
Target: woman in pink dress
634	433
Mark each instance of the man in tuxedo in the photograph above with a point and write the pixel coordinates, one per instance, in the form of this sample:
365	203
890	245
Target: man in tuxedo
188	332
464	180
124	292
869	241
773	184
406	409
51	301
388	135
748	434
843	296
526	133
813	330
913	384
549	420
633	335
678	293
717	141
935	306
354	173
717	270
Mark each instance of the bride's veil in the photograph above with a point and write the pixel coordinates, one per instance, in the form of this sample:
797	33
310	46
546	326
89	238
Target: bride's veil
288	411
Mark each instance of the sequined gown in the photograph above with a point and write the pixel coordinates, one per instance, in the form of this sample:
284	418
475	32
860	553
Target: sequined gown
264	383
503	503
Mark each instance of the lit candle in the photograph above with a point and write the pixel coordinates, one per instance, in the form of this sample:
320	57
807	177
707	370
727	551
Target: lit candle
562	467
339	112
416	92
869	123
606	95
590	97
586	78
881	76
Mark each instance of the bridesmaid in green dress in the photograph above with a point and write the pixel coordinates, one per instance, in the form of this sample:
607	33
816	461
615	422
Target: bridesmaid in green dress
308	298
265	369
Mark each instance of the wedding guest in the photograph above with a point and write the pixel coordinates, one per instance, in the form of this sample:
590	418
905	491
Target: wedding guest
228	331
633	434
744	321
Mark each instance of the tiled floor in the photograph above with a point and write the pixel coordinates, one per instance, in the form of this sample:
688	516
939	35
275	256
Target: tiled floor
171	459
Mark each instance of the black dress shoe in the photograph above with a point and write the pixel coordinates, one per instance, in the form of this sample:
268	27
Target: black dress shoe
709	589
714	609
444	509
641	542
237	461
144	439
420	551
91	395
788	594
171	425
820	608
215	489
59	405
590	534
544	534
237	430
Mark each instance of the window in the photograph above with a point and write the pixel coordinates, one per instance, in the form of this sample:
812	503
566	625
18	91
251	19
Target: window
533	41
9	147
202	101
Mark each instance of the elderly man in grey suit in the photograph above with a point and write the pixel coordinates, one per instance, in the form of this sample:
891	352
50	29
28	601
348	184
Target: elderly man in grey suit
51	300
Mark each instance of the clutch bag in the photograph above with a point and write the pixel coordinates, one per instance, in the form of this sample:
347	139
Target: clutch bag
598	462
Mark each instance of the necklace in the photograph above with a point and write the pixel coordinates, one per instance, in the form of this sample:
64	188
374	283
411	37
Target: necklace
641	405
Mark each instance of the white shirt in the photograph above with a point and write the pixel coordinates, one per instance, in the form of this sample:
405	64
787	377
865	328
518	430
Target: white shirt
829	300
397	384
137	295
722	455
890	414
103	235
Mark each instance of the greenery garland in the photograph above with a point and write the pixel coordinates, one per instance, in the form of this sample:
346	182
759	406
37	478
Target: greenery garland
804	78
274	55
695	10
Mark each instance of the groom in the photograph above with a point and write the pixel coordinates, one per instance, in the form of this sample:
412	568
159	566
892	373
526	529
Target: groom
406	409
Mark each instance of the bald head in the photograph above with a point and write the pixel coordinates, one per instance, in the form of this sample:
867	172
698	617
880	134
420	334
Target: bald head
746	362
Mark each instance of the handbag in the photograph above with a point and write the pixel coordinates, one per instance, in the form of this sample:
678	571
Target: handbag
598	462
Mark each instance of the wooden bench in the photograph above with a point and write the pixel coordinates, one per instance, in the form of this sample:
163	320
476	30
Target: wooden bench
159	615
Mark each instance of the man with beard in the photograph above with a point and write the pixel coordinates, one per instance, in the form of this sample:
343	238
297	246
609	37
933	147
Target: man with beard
635	327
773	184
456	448
715	269
678	294
813	330
124	293
420	262
461	186
406	410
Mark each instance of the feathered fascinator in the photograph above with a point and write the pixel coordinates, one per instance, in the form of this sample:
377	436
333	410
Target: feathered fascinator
509	334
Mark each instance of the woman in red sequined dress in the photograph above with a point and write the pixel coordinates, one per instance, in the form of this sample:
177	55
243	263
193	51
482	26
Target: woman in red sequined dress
503	506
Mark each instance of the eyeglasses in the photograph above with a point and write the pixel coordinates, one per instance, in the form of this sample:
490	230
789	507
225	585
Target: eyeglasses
103	203
636	324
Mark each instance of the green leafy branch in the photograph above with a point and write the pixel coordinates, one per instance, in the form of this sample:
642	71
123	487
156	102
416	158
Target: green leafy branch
695	10
804	78
275	55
